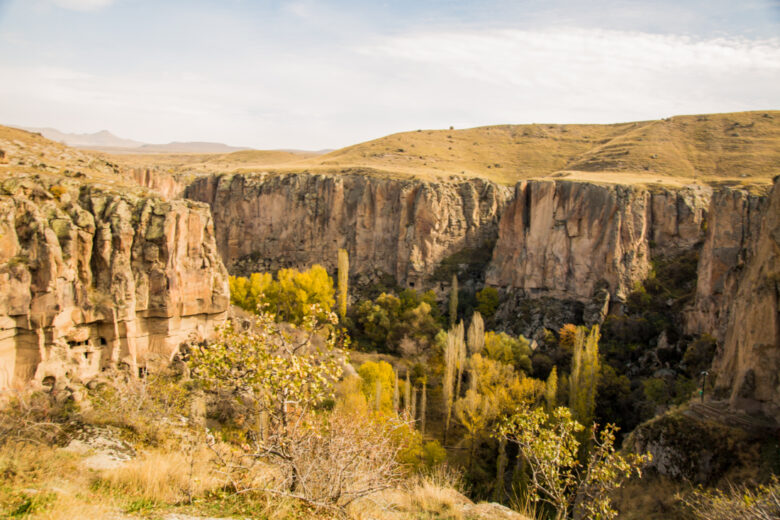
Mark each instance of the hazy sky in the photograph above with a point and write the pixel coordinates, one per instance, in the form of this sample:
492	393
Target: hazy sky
324	74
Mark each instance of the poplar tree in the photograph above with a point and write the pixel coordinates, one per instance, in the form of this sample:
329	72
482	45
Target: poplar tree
378	395
551	389
414	403
461	357
584	375
454	300
343	281
498	489
396	395
423	407
476	334
448	380
407	394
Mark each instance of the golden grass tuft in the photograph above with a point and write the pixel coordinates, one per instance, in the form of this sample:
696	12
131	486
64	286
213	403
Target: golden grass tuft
164	476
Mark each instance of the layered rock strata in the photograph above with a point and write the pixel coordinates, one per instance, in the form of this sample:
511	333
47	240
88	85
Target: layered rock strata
399	227
93	278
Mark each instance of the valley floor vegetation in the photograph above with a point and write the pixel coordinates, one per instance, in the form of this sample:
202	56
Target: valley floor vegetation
384	409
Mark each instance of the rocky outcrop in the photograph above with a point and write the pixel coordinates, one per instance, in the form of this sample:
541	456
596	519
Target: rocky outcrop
686	448
584	242
747	366
92	277
399	227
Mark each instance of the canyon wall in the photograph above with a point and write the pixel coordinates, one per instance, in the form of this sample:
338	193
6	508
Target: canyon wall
734	221
403	228
575	250
570	240
93	278
747	365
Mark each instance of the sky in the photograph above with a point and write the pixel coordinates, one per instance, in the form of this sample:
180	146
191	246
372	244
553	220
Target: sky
309	74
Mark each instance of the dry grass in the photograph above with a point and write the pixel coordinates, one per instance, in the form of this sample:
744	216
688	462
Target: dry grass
437	494
47	483
251	159
164	476
741	149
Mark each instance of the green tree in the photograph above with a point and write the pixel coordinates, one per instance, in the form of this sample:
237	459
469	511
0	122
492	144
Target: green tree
551	389
390	322
474	411
487	301
454	300
275	377
583	380
343	276
508	349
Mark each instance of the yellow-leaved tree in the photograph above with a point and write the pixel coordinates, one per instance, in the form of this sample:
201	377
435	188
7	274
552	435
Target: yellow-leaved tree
583	380
289	296
343	276
378	382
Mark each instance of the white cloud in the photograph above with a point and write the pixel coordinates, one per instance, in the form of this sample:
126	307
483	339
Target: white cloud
336	94
82	5
515	58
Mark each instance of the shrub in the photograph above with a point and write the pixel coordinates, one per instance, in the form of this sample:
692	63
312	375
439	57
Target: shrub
762	502
34	416
548	442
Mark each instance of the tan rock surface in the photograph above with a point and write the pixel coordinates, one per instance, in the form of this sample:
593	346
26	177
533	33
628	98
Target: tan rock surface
568	240
748	365
93	276
400	227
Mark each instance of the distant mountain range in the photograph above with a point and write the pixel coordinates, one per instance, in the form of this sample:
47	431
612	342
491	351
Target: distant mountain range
108	142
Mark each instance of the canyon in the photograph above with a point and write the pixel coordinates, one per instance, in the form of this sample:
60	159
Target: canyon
562	244
161	253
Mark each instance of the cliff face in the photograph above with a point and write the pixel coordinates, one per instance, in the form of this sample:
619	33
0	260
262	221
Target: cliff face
170	186
571	240
94	278
734	220
400	227
747	366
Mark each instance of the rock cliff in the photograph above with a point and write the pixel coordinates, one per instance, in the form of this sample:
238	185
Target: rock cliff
747	366
572	251
95	277
399	227
570	240
733	223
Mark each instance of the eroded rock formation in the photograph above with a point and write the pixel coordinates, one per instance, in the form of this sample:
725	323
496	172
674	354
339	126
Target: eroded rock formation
571	240
734	219
748	364
94	277
400	227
